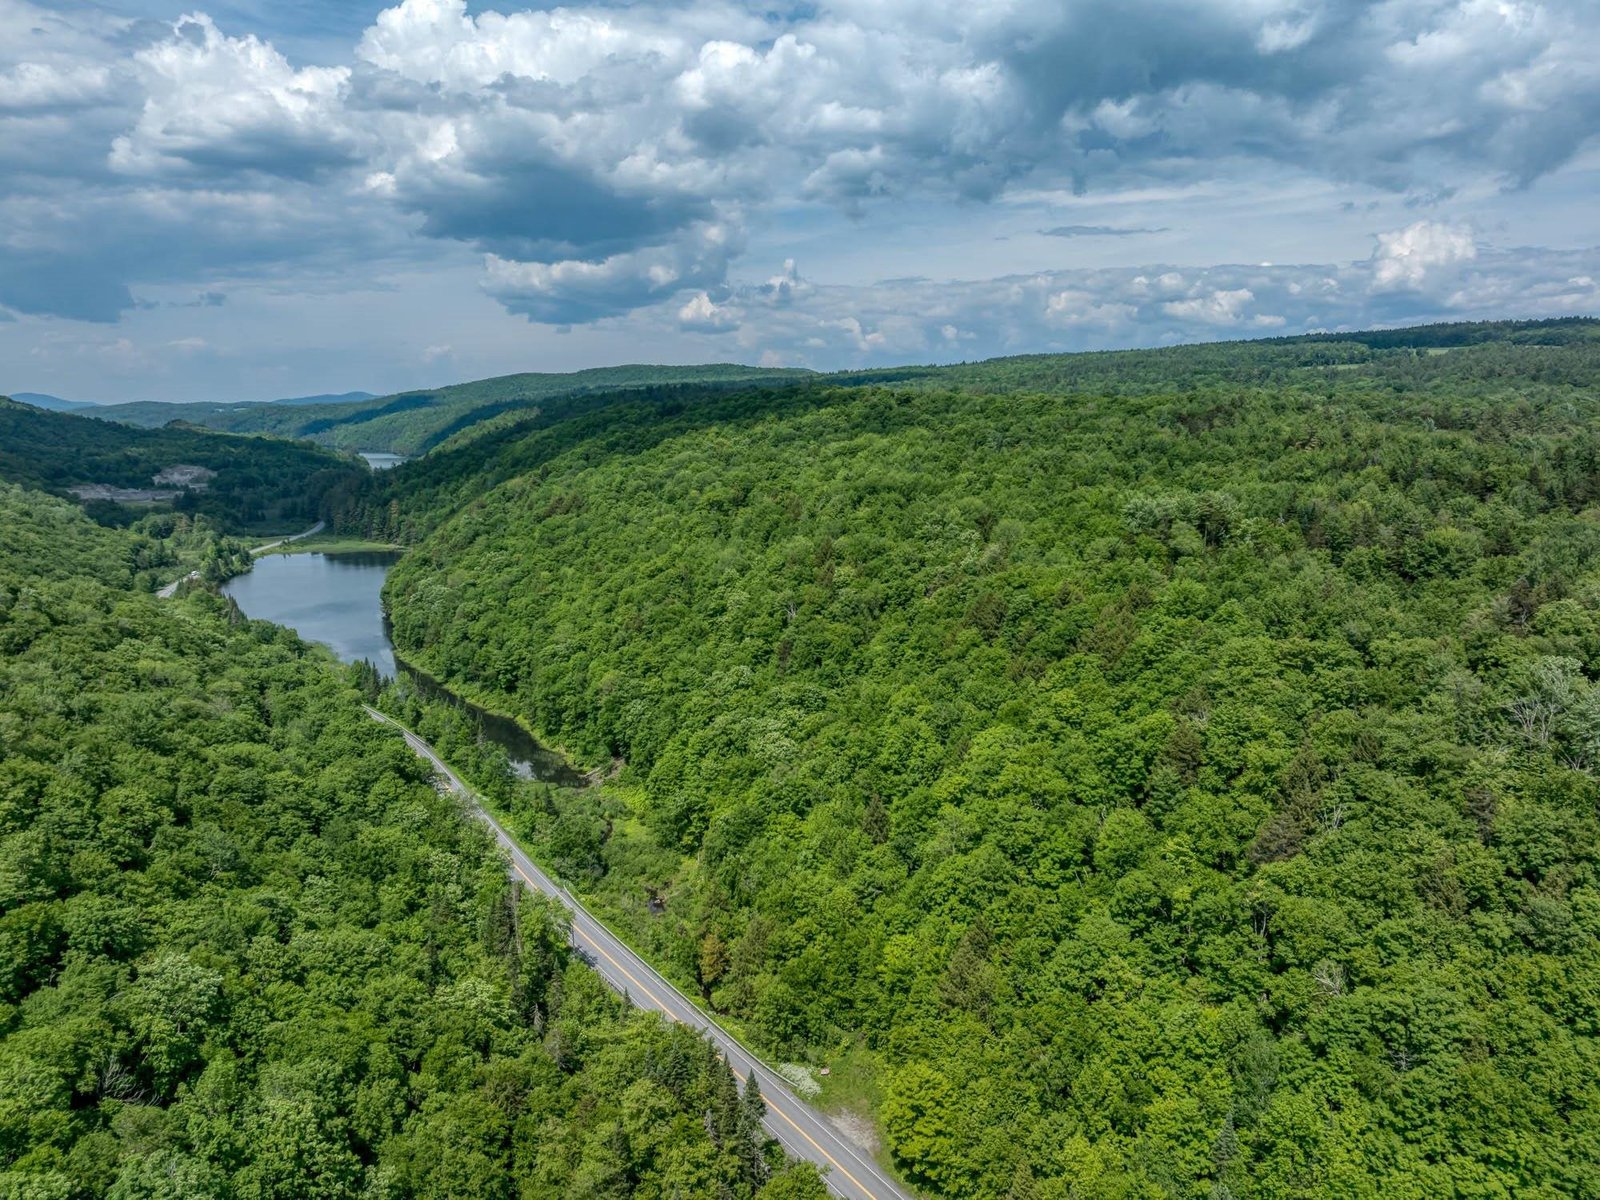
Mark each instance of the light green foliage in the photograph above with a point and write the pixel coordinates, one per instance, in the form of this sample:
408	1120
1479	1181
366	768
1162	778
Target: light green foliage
1178	768
248	951
58	544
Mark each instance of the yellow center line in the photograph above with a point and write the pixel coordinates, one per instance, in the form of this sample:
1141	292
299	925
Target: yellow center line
422	747
599	949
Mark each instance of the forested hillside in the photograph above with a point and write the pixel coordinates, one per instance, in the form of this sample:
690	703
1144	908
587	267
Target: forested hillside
56	543
247	950
258	483
1171	774
414	422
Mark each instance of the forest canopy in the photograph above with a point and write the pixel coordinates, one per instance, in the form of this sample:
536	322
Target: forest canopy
1144	774
248	483
1174	771
248	950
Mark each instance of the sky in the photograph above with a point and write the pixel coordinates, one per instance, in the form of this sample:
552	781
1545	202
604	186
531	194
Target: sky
250	199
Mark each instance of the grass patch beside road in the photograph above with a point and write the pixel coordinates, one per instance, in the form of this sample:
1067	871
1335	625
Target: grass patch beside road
331	544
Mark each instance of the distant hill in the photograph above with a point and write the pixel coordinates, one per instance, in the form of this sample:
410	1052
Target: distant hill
1449	335
326	398
52	403
414	422
244	483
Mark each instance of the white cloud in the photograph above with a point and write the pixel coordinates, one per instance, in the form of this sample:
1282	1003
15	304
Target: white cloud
702	316
217	105
782	288
1076	307
604	157
583	290
832	325
1221	307
34	85
1404	258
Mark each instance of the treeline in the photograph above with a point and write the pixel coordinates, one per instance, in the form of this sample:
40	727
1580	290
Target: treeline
414	422
247	950
260	483
405	504
1183	791
490	445
1554	331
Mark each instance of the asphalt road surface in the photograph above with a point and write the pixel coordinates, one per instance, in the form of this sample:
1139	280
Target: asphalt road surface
317	528
171	590
803	1131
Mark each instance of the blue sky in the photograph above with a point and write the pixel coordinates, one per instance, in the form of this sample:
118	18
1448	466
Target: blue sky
251	199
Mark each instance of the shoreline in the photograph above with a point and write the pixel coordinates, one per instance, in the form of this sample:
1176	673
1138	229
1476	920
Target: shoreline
331	544
589	776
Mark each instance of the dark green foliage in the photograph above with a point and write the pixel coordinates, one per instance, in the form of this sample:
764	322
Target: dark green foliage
1559	331
248	951
1179	768
260	483
413	422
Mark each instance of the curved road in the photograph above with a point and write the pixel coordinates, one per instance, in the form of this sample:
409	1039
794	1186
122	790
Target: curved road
284	541
804	1132
171	590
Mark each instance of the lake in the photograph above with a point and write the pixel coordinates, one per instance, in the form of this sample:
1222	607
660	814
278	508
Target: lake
336	599
382	460
327	598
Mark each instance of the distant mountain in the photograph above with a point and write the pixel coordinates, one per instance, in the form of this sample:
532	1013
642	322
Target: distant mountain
57	404
326	398
412	423
52	403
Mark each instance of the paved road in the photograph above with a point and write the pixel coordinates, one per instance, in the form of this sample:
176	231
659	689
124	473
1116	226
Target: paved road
317	528
171	590
804	1132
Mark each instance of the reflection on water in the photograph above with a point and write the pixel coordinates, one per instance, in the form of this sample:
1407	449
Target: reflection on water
327	598
529	759
382	460
336	599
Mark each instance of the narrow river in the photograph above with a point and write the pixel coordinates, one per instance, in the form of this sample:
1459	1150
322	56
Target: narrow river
335	599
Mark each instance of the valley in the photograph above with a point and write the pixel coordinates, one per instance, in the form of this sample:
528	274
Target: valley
665	600
1105	775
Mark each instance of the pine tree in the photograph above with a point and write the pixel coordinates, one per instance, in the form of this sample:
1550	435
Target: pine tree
725	1116
752	1137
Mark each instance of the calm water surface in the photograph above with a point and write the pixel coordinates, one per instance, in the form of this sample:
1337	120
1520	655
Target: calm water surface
327	598
335	599
382	460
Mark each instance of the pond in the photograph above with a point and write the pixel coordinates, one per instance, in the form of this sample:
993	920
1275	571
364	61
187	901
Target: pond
327	598
336	599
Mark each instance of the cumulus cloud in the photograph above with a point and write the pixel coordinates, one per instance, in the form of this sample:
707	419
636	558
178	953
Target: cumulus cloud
35	86
1404	258
575	290
1093	309
1222	307
117	172
701	315
220	106
602	158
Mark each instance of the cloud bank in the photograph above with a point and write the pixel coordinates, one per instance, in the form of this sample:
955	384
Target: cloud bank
602	159
1425	272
